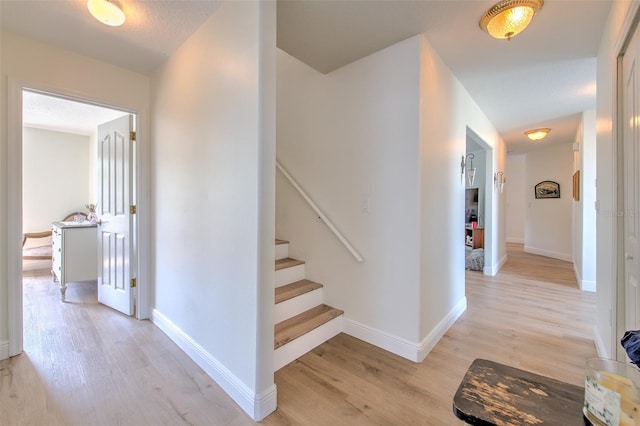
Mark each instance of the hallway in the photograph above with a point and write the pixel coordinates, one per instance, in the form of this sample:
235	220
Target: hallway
86	364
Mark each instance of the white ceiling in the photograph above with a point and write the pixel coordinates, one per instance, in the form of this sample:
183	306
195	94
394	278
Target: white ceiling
544	77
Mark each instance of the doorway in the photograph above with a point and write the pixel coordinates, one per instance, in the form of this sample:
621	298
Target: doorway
16	185
478	215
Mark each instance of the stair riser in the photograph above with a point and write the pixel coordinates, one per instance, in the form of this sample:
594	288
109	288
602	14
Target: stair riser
297	305
290	275
303	344
282	251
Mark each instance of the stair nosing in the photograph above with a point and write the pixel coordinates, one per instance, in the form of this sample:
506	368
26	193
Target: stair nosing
325	310
287	262
307	286
279	241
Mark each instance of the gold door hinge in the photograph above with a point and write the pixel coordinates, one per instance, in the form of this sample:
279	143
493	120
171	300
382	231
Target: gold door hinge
132	136
133	282
132	209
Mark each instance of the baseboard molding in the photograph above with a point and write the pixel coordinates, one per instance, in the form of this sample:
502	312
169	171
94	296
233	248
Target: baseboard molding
549	253
493	270
515	240
432	339
415	352
4	349
585	285
258	406
603	351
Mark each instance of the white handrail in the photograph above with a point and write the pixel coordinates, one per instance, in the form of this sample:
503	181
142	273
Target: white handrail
321	215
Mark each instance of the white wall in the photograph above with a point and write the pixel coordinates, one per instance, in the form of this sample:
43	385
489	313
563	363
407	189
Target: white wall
447	112
213	145
613	36
548	222
38	65
56	178
515	189
351	138
386	132
584	214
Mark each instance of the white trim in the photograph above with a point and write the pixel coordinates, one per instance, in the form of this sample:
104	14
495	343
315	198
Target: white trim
428	343
297	305
253	404
548	253
494	269
415	352
4	349
515	240
289	275
14	195
586	285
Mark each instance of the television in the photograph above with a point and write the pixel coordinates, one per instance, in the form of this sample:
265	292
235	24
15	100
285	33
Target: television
471	205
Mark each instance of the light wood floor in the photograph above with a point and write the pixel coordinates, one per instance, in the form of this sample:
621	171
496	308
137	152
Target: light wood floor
106	369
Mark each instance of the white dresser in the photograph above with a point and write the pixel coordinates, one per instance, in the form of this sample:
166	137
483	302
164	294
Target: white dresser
75	253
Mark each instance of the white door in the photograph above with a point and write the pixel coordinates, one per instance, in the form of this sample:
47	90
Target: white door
631	153
115	189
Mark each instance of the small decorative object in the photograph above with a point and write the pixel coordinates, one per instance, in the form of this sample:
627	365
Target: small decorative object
576	185
547	189
92	216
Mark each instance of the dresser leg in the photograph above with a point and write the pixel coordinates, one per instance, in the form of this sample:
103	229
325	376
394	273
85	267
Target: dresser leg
63	290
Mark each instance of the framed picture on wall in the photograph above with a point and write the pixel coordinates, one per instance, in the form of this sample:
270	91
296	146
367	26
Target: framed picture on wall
547	189
576	185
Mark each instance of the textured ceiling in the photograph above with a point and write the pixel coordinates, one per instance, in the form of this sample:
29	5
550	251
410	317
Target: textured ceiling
544	77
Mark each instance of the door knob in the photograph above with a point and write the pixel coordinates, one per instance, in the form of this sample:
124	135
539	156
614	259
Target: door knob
628	257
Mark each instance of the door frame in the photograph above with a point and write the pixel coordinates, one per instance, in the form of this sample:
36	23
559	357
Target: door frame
14	195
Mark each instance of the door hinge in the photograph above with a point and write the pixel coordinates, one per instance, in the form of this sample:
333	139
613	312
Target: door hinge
132	209
133	282
132	136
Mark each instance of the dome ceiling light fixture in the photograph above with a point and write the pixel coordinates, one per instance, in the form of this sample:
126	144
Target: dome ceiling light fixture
508	18
537	134
107	12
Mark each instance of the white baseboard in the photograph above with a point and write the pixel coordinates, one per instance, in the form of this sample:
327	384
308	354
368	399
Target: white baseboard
415	352
493	270
586	285
432	339
258	406
515	240
4	349
549	253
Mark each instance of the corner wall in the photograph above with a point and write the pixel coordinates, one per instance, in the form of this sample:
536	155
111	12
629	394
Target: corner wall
213	194
350	139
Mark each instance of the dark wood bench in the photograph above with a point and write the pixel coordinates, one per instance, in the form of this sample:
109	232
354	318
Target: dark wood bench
495	394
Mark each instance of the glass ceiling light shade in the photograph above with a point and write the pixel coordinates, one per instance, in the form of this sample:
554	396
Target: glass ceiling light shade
509	17
537	134
107	12
471	171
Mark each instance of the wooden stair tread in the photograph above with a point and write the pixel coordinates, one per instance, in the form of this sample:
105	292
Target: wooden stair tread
303	323
287	262
278	242
295	289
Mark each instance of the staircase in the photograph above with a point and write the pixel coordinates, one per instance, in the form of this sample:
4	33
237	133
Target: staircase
302	320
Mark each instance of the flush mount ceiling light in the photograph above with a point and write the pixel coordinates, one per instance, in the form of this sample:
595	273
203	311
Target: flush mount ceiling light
509	17
107	12
537	134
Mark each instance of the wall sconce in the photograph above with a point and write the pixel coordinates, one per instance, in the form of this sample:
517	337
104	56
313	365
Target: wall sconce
471	171
499	181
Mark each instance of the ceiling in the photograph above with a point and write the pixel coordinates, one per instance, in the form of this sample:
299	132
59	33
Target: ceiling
544	77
